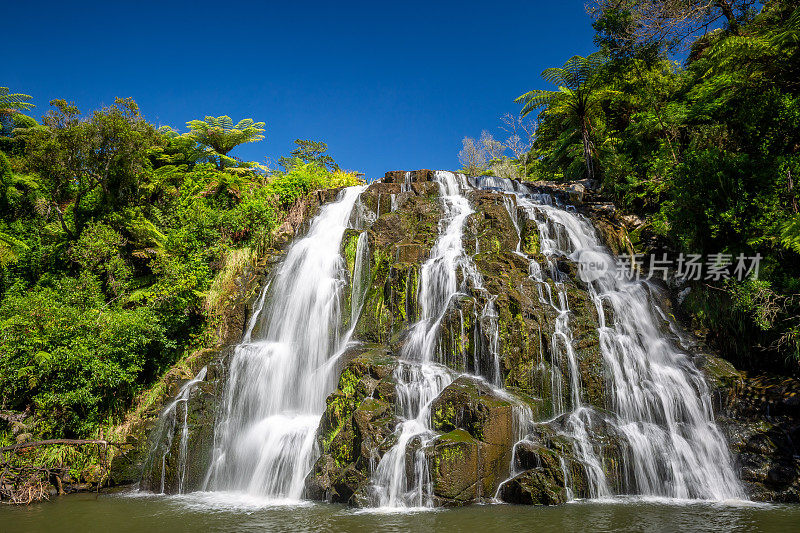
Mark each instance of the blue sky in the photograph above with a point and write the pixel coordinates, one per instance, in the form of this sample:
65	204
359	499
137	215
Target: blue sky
388	85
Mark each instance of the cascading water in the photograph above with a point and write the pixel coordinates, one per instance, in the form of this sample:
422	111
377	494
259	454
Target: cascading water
661	404
360	277
162	445
419	379
280	375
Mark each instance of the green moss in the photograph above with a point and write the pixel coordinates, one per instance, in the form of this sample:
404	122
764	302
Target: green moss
532	245
444	415
347	382
350	252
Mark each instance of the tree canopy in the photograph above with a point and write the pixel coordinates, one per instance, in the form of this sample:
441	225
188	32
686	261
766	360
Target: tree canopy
119	248
219	135
705	152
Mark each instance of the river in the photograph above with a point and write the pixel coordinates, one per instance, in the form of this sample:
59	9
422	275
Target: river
212	512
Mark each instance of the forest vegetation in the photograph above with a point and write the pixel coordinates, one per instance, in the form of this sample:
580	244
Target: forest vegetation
688	116
113	238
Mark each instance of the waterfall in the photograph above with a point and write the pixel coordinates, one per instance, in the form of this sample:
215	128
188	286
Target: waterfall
419	378
660	402
162	444
280	374
361	274
278	377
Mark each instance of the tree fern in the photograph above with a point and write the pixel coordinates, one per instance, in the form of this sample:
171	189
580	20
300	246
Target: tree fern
9	249
10	102
219	135
575	101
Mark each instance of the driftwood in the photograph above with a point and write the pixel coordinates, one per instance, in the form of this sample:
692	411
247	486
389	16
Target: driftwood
69	442
26	483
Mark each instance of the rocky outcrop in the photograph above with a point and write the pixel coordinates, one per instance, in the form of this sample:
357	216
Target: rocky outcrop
472	456
356	428
501	331
760	416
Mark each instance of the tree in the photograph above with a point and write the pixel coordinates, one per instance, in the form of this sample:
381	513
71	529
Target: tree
494	149
79	158
219	136
577	100
309	151
10	103
626	26
472	157
520	135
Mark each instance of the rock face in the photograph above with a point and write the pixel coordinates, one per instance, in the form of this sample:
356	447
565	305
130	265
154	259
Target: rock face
760	416
502	332
504	319
472	456
355	429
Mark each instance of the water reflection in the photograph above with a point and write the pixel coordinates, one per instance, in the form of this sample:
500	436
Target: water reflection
207	513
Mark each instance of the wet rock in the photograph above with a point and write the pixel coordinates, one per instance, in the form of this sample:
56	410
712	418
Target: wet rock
356	425
723	379
473	406
464	469
399	176
377	198
763	431
576	193
535	487
471	458
409	253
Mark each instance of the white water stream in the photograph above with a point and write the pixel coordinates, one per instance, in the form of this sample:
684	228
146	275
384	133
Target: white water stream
660	403
279	377
162	445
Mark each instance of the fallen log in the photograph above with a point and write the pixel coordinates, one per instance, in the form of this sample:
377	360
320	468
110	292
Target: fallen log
73	442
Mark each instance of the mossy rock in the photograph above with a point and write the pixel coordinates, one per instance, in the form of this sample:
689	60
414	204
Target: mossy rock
473	406
464	469
356	428
539	486
472	457
726	383
490	226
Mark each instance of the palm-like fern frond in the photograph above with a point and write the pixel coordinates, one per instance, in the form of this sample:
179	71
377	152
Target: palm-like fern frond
220	133
576	72
535	99
9	247
790	235
790	34
572	78
14	101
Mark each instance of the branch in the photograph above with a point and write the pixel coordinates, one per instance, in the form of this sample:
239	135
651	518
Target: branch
70	442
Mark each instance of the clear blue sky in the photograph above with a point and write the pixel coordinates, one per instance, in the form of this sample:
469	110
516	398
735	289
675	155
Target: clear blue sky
388	85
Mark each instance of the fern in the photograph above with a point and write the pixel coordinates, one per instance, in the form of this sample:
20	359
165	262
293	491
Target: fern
219	136
9	247
14	101
790	235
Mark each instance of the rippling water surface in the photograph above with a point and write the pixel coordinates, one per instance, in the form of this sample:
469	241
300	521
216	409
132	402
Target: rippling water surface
218	512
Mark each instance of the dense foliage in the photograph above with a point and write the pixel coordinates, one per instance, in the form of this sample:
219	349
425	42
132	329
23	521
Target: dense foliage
112	238
707	152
